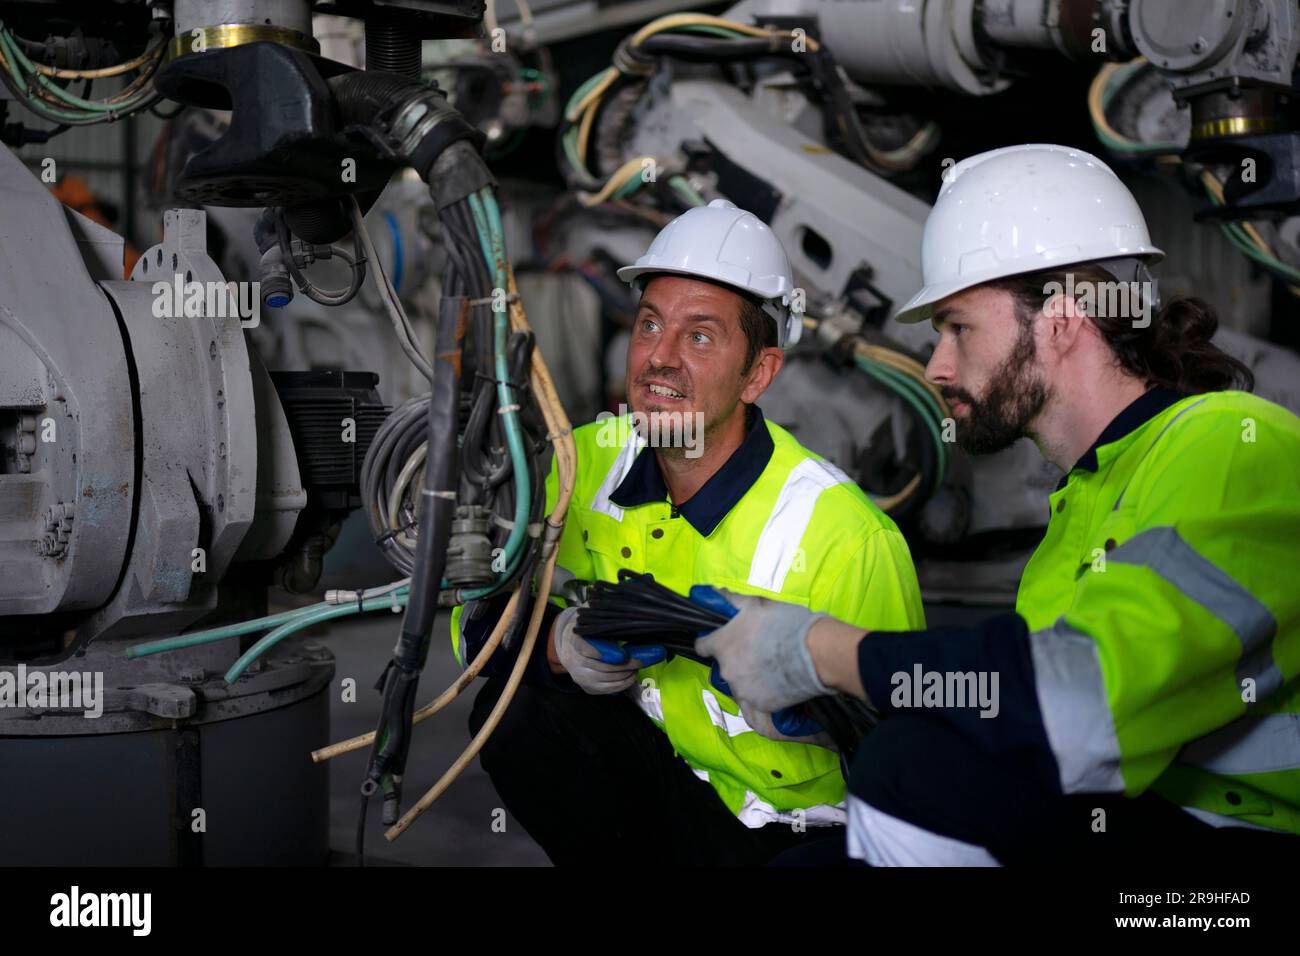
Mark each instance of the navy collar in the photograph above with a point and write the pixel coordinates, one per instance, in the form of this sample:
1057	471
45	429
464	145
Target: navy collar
726	486
1139	411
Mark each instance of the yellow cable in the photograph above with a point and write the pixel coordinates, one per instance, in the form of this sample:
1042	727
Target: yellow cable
893	501
153	53
621	178
442	700
1216	188
905	364
610	75
589	105
584	130
1095	91
1097	110
700	19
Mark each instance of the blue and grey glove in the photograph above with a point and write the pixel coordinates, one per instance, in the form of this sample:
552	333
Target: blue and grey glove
763	655
599	667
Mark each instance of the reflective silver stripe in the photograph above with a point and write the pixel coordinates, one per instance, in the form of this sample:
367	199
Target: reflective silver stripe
614	477
884	840
779	541
1248	745
756	812
1153	445
733	724
649	698
1076	715
1165	552
1219	820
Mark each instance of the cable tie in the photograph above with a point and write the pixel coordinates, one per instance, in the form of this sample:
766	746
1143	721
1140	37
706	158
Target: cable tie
394	532
495	381
493	300
632	63
507	409
445	495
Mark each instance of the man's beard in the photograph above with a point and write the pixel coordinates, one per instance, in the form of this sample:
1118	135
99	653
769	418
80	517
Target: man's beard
1015	395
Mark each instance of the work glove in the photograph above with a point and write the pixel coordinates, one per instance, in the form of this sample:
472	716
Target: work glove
593	668
763	653
761	722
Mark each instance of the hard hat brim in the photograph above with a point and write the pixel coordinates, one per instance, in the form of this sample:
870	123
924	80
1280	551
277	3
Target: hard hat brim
921	306
630	274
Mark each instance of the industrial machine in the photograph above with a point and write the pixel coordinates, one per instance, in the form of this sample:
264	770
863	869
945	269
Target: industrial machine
156	479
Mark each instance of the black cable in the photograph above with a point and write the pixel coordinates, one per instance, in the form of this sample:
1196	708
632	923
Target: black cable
637	606
180	108
402	676
704	48
361	831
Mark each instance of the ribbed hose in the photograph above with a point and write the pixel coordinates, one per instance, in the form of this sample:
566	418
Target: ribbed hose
364	96
413	118
391	48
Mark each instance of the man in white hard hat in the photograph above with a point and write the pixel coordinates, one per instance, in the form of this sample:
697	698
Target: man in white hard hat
1143	700
615	754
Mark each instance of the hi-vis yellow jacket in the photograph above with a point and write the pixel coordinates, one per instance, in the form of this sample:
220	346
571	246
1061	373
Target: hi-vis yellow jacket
1156	644
775	520
1163	607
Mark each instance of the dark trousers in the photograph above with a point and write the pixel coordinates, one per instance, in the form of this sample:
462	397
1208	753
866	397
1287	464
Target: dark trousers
920	769
594	781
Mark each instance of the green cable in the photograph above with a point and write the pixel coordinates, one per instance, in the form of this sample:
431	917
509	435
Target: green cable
584	89
1113	86
570	143
882	376
35	105
492	238
935	423
900	384
214	634
628	188
685	190
709	29
514	432
394	599
14	53
1239	239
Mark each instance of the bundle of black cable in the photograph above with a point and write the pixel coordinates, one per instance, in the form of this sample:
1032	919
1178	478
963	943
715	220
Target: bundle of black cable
639	607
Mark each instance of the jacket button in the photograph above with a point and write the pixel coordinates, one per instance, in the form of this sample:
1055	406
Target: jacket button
777	774
1060	506
1233	798
1110	544
657	533
627	552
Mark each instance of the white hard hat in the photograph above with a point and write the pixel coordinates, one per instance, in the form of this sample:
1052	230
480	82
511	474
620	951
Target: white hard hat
725	244
1024	209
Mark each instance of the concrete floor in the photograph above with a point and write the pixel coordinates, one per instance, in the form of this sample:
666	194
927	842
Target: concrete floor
458	829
